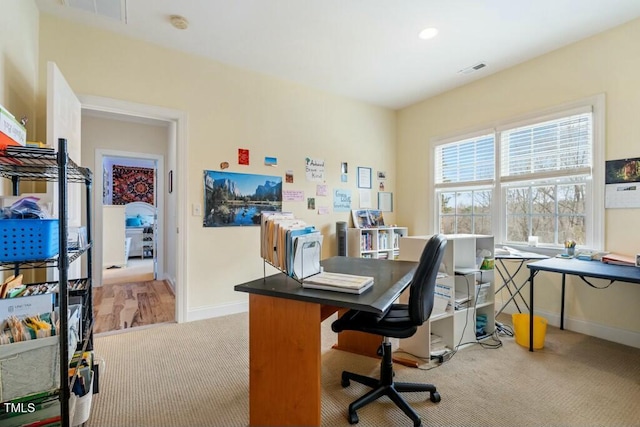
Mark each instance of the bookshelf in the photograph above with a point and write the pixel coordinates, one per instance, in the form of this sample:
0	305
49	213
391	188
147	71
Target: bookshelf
464	296
377	242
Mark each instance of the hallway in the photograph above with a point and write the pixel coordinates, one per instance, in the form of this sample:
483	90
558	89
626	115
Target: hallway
127	305
137	270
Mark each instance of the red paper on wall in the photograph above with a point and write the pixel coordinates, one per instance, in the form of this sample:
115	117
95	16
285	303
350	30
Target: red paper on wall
243	156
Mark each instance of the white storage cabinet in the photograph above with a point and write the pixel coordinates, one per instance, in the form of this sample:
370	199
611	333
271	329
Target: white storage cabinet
459	282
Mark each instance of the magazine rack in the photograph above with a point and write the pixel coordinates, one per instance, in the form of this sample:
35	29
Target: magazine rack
290	246
313	260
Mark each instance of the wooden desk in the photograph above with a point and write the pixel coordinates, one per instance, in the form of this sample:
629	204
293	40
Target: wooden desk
582	269
284	335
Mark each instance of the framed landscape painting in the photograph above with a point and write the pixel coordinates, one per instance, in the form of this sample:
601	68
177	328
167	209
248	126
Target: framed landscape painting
238	199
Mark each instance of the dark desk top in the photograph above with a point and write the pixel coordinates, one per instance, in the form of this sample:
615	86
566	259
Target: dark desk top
595	269
390	278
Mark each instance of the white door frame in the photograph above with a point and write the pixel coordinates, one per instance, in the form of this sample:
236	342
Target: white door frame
160	206
178	121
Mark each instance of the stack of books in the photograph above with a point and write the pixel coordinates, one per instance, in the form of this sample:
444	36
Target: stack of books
338	282
438	346
618	259
462	300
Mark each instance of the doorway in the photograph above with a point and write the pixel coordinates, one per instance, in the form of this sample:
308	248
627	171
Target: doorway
130	195
174	249
130	199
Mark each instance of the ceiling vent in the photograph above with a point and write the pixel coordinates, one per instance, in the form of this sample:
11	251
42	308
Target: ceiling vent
473	68
112	9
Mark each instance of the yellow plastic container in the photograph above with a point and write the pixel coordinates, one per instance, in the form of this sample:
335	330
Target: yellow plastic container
521	329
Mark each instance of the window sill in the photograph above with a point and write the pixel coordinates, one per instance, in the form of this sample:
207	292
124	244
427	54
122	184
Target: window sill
550	251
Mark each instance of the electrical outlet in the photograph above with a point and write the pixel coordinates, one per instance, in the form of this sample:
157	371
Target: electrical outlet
197	209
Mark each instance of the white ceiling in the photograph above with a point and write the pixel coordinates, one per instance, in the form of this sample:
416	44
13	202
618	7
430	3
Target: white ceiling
363	49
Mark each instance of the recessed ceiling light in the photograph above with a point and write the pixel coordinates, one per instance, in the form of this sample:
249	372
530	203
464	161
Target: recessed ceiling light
180	22
428	33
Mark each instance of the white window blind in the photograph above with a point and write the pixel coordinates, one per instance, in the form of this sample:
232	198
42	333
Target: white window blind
531	175
468	161
559	147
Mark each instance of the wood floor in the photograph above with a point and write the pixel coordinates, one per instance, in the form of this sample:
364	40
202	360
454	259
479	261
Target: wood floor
126	305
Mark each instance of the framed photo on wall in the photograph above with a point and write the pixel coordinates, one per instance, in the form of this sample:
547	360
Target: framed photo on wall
238	199
385	201
364	177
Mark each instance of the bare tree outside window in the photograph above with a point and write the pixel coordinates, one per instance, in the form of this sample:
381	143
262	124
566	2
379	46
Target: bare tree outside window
540	186
554	213
465	212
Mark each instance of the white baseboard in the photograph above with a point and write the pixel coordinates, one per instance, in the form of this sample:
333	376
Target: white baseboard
171	281
217	311
620	336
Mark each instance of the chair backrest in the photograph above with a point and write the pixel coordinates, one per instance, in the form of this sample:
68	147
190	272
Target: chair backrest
423	284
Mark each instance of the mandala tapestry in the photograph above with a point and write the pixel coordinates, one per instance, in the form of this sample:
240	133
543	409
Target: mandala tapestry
132	184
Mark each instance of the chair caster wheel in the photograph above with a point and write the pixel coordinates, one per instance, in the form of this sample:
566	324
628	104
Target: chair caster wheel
435	397
345	381
353	418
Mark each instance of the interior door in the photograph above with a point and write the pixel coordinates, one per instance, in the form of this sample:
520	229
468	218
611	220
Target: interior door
64	112
154	247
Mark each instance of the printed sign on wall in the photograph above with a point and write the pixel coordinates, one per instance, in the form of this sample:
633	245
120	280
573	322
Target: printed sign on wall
342	200
315	169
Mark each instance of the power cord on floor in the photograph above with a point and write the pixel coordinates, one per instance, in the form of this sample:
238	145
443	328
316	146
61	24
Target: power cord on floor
488	341
504	330
426	365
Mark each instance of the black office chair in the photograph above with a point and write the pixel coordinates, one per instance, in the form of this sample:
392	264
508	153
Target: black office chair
400	321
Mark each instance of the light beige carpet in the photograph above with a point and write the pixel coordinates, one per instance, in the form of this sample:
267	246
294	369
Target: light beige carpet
196	374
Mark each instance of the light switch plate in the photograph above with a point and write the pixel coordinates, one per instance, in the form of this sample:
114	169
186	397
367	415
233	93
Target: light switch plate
197	209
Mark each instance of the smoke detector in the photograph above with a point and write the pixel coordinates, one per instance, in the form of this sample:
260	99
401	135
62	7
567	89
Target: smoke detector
180	22
113	9
473	68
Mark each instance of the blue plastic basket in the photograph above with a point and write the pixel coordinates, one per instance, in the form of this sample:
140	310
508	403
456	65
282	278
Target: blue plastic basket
28	239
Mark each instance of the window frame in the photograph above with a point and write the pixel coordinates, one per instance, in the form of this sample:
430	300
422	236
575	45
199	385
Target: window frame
594	206
472	215
531	216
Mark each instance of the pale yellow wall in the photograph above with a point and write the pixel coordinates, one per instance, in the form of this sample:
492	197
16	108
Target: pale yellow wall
229	109
19	59
19	70
119	135
607	63
19	65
